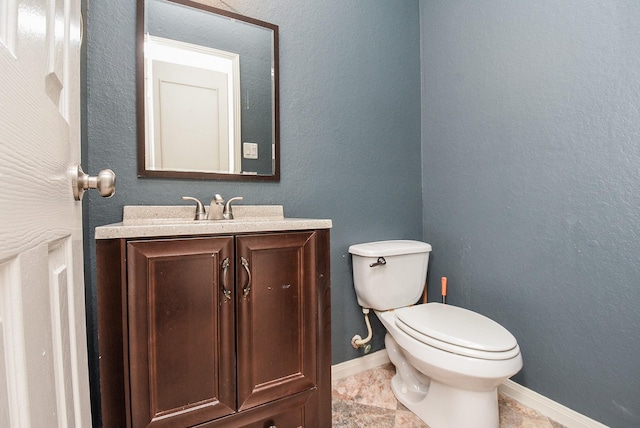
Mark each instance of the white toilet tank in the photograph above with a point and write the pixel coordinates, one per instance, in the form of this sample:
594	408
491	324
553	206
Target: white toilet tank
397	277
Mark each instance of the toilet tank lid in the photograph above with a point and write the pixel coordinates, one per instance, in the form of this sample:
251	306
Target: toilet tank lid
389	248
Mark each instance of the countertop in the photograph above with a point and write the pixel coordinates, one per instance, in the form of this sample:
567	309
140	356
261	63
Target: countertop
149	221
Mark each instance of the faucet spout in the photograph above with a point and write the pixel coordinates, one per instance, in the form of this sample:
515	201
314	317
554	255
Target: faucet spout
227	214
216	208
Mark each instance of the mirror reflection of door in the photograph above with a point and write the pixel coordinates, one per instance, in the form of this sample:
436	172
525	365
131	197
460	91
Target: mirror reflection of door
190	117
192	108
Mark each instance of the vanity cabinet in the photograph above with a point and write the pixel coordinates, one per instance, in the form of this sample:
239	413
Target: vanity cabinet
215	330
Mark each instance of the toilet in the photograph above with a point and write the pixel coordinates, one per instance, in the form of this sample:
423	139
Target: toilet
449	360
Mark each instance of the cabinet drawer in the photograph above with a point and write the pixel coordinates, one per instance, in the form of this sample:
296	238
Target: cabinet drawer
290	419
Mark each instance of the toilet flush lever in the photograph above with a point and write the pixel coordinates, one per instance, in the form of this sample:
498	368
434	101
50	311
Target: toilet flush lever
380	262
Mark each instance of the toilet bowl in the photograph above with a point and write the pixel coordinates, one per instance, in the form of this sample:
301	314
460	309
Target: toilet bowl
461	390
449	360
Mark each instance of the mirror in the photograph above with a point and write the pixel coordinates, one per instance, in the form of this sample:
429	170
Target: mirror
207	93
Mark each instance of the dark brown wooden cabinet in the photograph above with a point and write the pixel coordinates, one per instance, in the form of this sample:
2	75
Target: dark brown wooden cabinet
215	331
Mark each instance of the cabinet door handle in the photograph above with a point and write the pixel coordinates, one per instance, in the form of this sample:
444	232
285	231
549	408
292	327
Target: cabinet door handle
225	289
245	265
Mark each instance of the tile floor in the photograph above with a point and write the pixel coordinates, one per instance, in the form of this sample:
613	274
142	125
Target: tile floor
366	400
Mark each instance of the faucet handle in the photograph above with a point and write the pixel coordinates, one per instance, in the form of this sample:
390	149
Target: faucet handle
227	214
200	212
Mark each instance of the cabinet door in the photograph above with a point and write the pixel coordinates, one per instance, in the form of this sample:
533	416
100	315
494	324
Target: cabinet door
277	316
181	331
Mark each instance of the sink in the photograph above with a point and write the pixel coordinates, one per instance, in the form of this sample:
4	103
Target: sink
181	214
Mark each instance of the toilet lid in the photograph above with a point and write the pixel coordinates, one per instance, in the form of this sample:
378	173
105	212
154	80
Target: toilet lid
457	330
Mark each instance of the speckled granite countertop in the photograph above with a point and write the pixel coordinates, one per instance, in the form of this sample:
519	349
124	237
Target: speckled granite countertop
149	221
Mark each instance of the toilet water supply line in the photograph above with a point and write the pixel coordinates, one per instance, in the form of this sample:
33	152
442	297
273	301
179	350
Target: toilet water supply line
357	341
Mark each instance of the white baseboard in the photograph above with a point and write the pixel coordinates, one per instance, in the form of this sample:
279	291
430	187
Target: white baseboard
547	407
527	397
357	365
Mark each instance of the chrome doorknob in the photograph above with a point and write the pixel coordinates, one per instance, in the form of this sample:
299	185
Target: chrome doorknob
105	182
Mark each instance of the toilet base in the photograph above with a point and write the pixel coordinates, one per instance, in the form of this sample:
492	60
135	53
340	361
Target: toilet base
438	404
446	407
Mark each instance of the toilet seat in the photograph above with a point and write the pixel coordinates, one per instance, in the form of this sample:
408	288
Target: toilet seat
457	330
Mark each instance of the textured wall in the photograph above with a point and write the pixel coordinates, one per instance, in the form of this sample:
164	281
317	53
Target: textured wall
350	129
531	178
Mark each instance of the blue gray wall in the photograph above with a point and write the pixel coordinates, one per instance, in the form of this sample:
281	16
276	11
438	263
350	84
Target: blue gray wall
350	130
530	164
531	185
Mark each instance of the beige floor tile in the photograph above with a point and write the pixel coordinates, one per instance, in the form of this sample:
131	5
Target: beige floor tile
366	400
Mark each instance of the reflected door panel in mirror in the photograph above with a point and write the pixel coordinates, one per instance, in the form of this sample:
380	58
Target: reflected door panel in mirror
191	102
197	108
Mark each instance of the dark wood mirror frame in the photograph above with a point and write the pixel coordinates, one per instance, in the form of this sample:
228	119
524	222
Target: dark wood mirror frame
140	94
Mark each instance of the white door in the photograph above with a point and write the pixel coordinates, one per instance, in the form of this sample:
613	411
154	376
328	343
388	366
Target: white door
43	355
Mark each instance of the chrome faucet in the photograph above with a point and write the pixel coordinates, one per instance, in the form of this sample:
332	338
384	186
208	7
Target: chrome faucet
227	214
218	210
